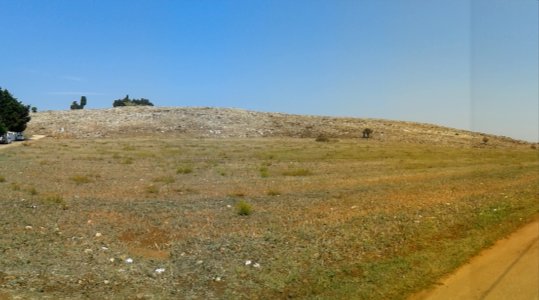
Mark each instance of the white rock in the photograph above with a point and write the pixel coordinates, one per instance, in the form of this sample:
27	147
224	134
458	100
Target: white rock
129	260
159	270
98	234
248	262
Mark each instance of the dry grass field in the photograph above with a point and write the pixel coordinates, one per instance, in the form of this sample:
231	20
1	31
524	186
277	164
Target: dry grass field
251	218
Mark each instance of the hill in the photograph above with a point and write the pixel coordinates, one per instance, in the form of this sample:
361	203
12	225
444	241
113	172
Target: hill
226	122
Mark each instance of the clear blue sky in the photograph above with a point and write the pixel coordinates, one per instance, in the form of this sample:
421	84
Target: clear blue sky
470	64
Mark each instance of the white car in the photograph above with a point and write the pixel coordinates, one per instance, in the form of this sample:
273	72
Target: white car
7	138
19	136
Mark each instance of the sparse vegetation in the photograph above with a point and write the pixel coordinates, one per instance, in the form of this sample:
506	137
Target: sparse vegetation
350	223
2	179
485	140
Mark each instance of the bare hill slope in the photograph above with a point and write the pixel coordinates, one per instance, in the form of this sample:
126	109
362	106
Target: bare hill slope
226	122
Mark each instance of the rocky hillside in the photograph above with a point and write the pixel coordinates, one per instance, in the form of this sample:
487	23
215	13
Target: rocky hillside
225	122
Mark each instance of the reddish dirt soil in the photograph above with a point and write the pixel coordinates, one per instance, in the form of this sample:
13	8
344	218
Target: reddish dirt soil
508	270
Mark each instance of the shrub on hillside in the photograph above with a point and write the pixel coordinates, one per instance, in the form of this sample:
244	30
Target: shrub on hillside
322	138
367	132
131	102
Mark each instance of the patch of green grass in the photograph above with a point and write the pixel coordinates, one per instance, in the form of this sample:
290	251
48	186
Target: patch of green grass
243	208
127	160
55	200
264	172
184	170
81	179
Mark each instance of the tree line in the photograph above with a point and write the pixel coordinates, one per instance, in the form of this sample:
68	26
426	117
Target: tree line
119	102
14	115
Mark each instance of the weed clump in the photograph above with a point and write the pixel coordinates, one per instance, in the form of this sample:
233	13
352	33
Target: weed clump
264	172
322	138
55	199
243	208
184	170
32	191
81	179
273	193
152	189
2	179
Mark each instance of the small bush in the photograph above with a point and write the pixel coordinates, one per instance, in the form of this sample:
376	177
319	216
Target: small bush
243	208
367	132
264	172
273	193
297	172
55	199
32	191
15	186
152	189
485	140
322	138
184	170
127	161
2	179
80	179
533	146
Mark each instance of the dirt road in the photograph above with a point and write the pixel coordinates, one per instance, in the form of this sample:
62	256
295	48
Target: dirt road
508	270
14	144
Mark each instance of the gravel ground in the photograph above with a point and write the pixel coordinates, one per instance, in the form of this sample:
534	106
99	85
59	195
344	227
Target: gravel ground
226	122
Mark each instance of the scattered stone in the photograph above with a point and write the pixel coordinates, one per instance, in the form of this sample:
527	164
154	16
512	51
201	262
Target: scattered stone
129	260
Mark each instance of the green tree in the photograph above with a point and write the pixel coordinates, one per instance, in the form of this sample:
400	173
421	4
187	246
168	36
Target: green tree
3	128
83	101
13	114
134	102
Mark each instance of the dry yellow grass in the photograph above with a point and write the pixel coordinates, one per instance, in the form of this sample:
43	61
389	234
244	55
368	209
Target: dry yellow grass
348	219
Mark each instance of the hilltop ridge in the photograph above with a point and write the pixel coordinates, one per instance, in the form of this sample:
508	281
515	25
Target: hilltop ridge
210	122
